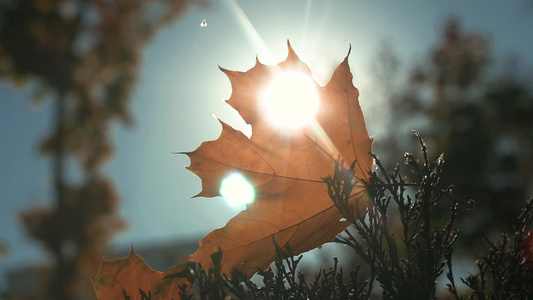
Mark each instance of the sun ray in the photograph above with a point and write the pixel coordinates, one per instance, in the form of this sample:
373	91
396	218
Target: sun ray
306	21
323	141
251	32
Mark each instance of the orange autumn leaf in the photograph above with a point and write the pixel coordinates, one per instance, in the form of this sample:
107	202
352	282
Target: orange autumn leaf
130	275
285	166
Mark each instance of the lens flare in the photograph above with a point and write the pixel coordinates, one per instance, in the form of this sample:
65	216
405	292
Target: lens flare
237	190
291	100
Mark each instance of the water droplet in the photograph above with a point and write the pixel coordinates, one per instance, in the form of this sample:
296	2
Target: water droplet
203	23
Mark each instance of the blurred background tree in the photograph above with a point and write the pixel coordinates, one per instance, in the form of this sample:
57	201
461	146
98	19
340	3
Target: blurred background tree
85	55
474	108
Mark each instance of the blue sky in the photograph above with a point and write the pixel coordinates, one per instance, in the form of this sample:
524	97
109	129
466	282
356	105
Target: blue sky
180	88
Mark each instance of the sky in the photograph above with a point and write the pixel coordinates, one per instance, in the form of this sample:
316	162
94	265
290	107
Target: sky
180	89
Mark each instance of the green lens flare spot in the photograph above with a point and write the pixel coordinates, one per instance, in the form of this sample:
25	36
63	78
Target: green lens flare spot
237	190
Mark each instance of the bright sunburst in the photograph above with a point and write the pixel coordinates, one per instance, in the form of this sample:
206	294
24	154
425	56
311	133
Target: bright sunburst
290	101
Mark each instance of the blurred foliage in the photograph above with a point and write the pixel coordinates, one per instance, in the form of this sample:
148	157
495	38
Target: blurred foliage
477	112
505	270
4	249
85	52
85	55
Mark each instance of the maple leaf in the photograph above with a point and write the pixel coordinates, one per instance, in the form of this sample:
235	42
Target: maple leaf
131	275
286	169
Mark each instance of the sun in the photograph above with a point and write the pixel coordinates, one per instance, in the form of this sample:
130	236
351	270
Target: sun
290	101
